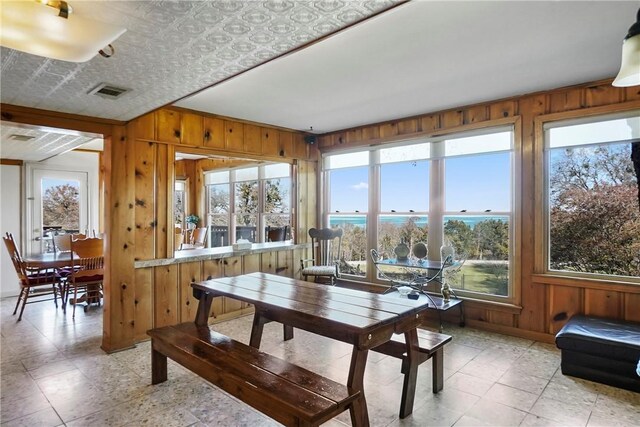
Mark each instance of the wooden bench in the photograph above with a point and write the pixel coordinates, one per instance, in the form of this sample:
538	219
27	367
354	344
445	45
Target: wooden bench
285	392
431	347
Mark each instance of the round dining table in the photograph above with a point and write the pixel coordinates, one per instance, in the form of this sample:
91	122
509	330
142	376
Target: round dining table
48	260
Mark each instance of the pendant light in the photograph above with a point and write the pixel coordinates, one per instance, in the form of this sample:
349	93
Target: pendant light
629	74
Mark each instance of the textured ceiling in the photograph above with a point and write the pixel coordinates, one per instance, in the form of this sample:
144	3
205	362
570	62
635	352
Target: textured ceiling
171	49
46	143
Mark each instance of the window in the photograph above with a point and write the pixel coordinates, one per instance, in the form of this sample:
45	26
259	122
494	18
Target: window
593	215
455	190
247	200
180	203
348	186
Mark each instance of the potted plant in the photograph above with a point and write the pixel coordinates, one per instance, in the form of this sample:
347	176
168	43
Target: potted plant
192	221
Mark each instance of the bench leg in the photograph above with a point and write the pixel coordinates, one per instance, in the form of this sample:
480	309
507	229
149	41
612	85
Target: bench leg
410	374
438	370
158	366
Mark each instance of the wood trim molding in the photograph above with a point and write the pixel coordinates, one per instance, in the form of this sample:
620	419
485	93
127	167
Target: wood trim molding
511	331
587	283
512	120
11	162
57	120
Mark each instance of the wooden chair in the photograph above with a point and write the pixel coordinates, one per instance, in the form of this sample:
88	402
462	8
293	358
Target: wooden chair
277	234
62	242
326	255
199	237
33	282
178	241
87	258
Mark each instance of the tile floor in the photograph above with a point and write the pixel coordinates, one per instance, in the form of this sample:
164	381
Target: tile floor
54	373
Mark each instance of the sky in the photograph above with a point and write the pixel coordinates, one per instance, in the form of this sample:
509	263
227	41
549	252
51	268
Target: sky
473	183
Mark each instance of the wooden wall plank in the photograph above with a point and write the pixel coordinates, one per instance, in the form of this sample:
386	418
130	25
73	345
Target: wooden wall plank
631	304
232	267
475	114
269	262
146	127
119	283
299	147
234	135
251	263
214	133
168	126
164	175
270	142
165	295
285	144
143	291
284	263
212	269
189	272
565	100
252	139
192	129
603	303
564	302
145	209
452	119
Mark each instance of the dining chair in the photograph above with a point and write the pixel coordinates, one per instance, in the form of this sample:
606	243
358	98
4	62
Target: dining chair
34	282
178	241
87	274
277	234
325	244
62	242
199	237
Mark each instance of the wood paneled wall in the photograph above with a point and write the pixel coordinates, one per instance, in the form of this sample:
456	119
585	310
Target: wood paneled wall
543	303
141	168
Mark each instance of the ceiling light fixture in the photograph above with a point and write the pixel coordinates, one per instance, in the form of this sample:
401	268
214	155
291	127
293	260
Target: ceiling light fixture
48	28
629	74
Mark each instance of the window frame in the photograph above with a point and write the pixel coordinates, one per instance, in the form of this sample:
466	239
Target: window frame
260	214
437	210
542	271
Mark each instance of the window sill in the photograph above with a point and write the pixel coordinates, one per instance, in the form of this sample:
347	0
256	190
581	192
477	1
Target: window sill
587	283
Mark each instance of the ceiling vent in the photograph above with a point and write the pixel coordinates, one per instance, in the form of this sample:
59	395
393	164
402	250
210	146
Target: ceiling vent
106	90
16	137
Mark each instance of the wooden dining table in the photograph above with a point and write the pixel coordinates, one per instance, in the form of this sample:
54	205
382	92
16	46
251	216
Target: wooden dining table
362	319
48	260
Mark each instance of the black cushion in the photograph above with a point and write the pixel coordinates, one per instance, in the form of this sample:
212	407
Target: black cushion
611	339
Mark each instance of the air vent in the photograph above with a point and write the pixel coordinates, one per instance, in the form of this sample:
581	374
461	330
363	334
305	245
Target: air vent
106	90
16	137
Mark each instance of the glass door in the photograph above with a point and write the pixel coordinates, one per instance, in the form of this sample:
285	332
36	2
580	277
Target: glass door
59	205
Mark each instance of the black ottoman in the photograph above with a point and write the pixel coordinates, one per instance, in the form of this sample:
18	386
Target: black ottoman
601	350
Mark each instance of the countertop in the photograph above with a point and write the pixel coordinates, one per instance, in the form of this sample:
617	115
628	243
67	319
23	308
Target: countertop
191	255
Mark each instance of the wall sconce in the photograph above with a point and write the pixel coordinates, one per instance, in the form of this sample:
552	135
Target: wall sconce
629	74
48	28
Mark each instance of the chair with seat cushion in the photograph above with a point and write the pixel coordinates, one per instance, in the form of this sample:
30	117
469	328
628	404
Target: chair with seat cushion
325	244
33	282
87	274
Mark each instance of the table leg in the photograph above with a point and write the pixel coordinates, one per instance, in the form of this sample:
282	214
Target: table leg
359	413
410	374
256	330
288	332
204	307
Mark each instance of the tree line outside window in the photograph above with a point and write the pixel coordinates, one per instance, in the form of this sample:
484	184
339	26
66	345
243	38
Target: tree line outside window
593	194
